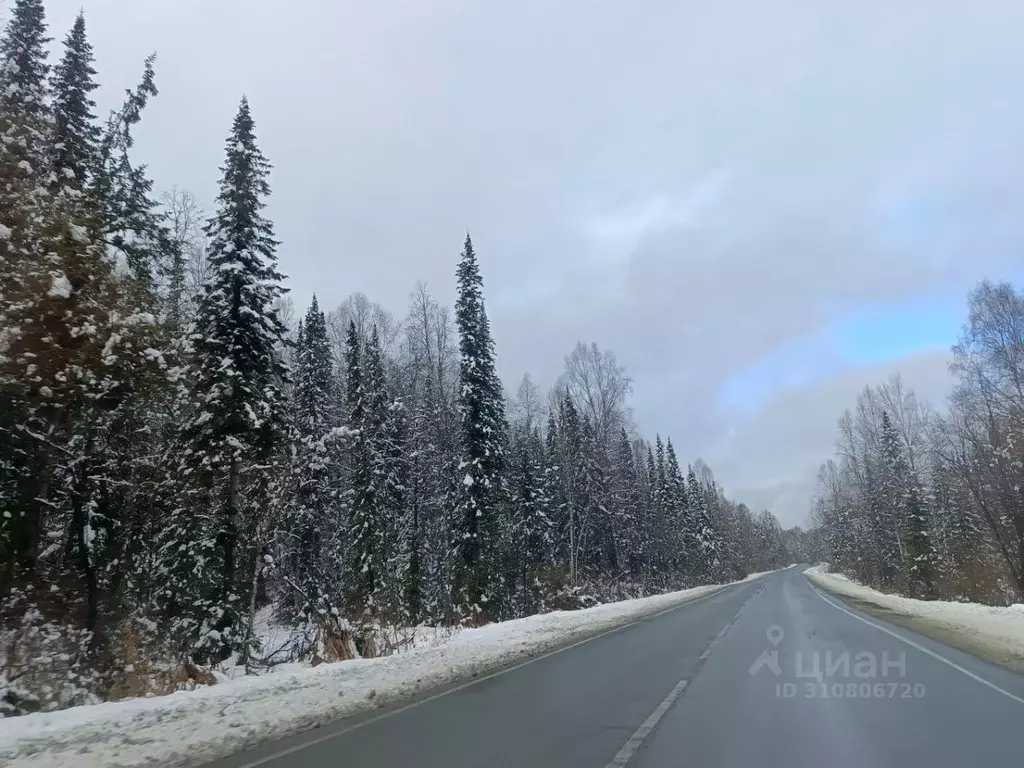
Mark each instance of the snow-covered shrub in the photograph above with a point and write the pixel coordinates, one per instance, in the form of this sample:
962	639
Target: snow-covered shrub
44	663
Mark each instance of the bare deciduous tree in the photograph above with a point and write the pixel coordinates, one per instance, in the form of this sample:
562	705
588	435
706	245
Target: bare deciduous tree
988	405
599	386
366	315
527	408
189	270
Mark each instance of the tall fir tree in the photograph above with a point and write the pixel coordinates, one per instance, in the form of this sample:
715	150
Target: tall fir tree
314	395
921	558
135	230
536	517
361	503
659	482
24	98
112	486
889	501
652	506
675	509
353	361
83	288
385	428
76	135
24	134
378	562
571	465
554	489
80	345
237	388
628	506
313	524
481	409
700	535
599	541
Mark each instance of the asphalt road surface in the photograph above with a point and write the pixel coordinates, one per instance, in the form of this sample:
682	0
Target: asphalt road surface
728	680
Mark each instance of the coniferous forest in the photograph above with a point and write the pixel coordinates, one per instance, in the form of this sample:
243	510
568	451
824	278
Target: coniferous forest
184	457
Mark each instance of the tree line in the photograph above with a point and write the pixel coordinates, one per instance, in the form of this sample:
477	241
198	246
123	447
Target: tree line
180	455
929	503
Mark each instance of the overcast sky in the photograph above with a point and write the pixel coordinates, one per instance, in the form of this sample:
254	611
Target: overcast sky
760	206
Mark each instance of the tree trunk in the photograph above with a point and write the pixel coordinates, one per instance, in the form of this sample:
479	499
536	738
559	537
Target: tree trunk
251	615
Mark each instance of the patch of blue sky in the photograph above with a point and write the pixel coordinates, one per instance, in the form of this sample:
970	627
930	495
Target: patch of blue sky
879	333
866	336
794	364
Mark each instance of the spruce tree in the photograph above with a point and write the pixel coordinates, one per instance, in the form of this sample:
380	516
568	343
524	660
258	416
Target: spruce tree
378	530
81	355
353	401
312	524
237	386
889	502
599	542
483	434
675	509
24	75
134	229
570	448
653	518
385	437
362	505
701	537
660	491
83	289
537	517
24	137
314	376
75	133
628	506
920	557
554	489
661	477
24	132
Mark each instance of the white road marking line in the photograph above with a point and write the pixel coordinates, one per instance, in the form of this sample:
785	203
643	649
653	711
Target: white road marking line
645	729
474	681
633	743
918	646
727	627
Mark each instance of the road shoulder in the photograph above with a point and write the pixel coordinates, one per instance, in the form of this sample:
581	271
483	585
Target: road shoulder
972	640
189	728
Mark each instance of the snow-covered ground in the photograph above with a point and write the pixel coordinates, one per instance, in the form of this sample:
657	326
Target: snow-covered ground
998	628
192	727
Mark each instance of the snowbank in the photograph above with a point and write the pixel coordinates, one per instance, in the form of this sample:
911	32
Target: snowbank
192	727
999	631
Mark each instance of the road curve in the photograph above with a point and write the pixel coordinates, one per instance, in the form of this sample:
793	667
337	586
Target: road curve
767	672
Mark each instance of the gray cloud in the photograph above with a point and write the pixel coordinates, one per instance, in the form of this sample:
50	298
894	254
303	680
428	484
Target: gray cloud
692	184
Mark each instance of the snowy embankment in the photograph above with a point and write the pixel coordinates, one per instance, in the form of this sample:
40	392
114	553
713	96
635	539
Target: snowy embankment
991	631
192	727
